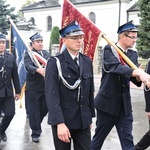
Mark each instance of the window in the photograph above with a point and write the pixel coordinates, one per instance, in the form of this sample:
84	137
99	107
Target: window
49	23
32	21
92	17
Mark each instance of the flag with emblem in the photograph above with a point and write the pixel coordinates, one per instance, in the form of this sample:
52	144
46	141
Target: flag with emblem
92	33
18	48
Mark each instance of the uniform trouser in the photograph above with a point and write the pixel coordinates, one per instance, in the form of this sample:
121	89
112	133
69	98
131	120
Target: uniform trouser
105	122
81	140
37	109
8	105
144	143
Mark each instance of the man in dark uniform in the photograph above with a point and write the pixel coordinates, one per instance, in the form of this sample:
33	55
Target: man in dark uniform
69	92
37	107
9	82
113	101
144	142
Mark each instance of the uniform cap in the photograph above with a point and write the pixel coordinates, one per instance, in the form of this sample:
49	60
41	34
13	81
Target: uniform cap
2	37
36	37
71	29
129	26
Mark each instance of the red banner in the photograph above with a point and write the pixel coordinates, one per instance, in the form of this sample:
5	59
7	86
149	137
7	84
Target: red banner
70	13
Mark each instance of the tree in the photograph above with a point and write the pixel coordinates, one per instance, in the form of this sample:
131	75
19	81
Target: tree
5	10
55	37
143	42
28	2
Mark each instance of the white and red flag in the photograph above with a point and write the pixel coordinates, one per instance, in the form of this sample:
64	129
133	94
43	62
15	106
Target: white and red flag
41	59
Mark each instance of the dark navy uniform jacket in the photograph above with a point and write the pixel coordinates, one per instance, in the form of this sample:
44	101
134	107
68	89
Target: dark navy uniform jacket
62	102
9	77
34	81
147	91
114	92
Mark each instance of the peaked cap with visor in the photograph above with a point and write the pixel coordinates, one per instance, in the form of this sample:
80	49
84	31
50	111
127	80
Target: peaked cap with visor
71	29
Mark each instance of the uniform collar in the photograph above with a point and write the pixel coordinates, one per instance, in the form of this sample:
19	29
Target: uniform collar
73	57
39	52
125	51
2	53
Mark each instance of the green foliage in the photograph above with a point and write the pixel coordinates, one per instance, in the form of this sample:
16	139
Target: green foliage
5	10
55	37
28	2
143	62
143	42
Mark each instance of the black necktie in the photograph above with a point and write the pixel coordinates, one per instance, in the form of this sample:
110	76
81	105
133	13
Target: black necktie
40	53
1	63
77	65
1	58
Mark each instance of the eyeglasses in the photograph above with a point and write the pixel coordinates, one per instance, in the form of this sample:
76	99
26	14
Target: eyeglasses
131	37
76	38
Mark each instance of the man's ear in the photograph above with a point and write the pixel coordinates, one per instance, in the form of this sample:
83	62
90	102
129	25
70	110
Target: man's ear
64	40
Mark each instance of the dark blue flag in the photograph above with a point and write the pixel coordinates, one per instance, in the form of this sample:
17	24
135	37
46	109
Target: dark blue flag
18	49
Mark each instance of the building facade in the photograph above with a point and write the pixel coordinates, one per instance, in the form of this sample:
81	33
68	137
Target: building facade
106	14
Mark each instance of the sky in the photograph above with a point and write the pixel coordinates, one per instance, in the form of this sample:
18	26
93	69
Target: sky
17	4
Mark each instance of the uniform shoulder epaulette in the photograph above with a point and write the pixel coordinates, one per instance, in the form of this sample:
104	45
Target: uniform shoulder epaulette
87	57
58	54
132	50
45	50
7	52
83	54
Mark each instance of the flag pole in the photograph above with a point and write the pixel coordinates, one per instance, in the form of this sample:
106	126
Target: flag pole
10	46
126	59
96	48
22	92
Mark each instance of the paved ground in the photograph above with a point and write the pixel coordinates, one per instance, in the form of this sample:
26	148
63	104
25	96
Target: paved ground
19	132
